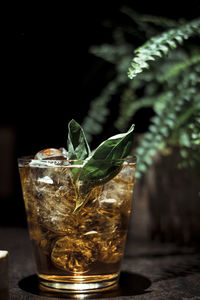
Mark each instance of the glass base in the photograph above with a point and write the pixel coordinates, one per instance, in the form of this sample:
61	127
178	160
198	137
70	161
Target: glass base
78	284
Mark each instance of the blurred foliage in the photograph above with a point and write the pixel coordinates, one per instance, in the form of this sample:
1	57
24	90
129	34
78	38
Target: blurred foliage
166	72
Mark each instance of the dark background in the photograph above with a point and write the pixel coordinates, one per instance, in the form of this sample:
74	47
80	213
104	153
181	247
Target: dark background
48	78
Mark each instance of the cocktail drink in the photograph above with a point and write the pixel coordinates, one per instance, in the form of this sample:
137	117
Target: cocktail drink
77	224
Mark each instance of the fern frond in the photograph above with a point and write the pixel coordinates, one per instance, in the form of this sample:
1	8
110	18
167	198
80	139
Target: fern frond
111	53
180	109
138	18
150	25
189	142
130	103
160	45
176	69
98	111
134	104
127	113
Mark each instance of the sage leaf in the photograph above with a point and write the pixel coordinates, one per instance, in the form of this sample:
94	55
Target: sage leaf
108	156
86	187
100	167
78	147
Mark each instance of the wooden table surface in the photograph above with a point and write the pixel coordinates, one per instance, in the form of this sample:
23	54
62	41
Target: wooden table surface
149	271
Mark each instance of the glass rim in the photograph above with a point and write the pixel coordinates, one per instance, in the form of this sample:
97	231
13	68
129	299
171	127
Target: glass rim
67	162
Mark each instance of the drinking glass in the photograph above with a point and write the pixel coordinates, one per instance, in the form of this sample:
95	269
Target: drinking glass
78	251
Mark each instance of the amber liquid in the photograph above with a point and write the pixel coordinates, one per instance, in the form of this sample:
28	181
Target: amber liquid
86	247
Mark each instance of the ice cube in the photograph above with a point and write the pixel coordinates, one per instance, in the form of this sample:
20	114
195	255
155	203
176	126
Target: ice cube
126	175
106	242
45	179
90	221
116	194
64	152
54	198
51	153
111	247
73	255
112	215
43	238
114	191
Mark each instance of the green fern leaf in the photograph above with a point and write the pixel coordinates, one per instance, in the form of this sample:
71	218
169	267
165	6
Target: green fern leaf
159	45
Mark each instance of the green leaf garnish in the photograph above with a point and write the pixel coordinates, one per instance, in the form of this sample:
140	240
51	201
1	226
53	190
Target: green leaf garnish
78	147
101	162
86	187
103	165
98	168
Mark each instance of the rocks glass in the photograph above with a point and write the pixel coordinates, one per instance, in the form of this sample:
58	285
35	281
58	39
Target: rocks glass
76	252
